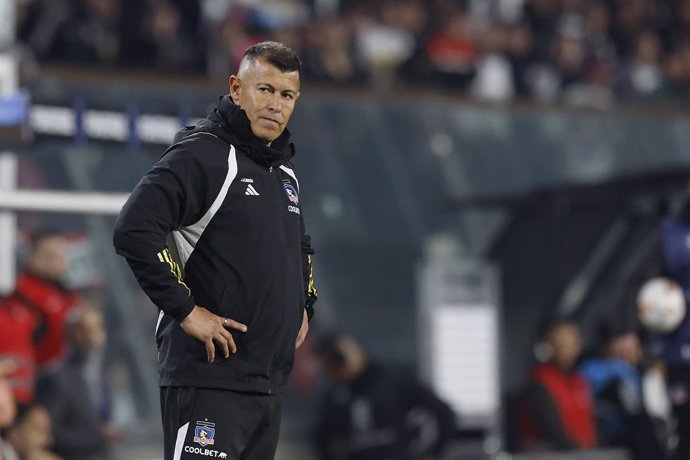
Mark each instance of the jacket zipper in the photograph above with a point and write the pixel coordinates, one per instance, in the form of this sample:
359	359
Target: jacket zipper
282	231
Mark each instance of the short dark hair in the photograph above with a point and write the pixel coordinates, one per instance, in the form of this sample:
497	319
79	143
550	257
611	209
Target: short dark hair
42	234
277	54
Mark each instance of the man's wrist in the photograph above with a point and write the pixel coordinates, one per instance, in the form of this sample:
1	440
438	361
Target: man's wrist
182	312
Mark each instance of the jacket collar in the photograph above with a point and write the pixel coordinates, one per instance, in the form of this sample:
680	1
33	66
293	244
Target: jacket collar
234	123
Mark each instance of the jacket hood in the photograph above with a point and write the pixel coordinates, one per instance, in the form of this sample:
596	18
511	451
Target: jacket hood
229	122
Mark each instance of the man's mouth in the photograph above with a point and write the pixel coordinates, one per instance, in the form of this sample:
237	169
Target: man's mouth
271	120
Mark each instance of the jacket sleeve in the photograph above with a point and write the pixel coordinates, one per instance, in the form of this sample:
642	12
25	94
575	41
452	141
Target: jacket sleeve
169	196
310	291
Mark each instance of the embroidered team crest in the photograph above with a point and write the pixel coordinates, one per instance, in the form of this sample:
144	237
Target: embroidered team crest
291	192
204	433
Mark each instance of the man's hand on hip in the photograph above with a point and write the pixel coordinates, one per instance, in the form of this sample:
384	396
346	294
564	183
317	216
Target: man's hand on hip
207	328
302	330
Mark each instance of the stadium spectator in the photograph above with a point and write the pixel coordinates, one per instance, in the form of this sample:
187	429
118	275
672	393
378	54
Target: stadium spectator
42	288
543	17
642	75
558	412
384	41
31	434
91	35
674	86
597	24
452	49
8	410
76	394
18	325
229	41
329	55
167	41
570	51
39	24
522	59
494	81
372	412
34	313
616	382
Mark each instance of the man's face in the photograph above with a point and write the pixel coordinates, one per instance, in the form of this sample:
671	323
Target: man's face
35	431
267	96
89	333
49	258
8	409
567	345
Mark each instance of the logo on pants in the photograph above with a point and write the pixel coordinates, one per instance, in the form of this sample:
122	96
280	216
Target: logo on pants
204	433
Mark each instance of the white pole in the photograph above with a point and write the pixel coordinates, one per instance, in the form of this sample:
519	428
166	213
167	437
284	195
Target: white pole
65	202
8	224
7	26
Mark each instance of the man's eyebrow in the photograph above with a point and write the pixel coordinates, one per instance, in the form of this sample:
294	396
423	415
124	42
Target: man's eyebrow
286	90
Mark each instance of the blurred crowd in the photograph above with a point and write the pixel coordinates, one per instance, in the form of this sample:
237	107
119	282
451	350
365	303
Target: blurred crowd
582	52
611	395
629	386
55	401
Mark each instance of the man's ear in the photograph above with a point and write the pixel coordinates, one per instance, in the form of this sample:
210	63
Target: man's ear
234	84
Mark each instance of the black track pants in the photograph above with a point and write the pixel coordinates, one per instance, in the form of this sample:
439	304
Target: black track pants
201	423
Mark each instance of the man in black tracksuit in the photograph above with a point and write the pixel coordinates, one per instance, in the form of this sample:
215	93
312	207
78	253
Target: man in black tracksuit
375	412
214	235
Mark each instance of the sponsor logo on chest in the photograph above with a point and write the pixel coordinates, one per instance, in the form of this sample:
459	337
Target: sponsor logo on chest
291	192
293	196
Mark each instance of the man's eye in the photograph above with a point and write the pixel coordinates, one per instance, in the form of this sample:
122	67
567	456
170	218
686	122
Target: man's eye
288	96
264	90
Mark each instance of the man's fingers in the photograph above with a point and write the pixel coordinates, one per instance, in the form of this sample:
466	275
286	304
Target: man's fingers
303	330
205	329
223	342
300	339
231	343
231	324
210	350
302	335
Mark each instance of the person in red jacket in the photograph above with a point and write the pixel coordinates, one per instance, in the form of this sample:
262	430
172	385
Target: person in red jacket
8	408
32	318
17	327
41	288
559	414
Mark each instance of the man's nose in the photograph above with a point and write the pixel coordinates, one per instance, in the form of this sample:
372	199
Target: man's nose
274	103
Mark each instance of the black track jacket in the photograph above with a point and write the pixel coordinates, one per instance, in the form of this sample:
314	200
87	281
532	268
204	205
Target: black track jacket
217	222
